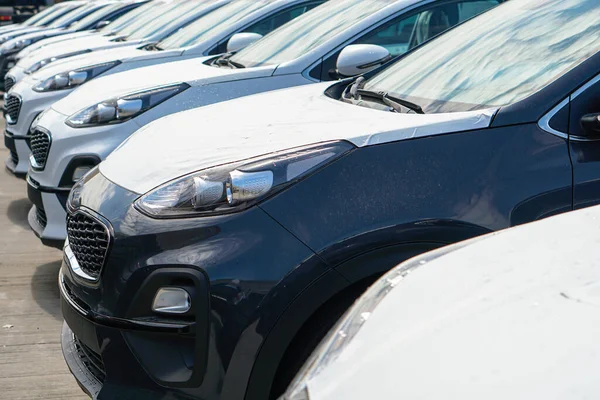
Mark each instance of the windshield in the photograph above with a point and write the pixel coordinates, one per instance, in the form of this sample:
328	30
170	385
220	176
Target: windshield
155	13
171	19
57	13
39	16
75	15
129	18
215	24
308	31
499	58
96	16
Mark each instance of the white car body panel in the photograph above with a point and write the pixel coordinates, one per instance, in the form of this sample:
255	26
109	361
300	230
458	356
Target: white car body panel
48	41
264	124
512	315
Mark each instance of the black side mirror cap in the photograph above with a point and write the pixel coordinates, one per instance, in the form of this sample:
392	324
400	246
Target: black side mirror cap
590	124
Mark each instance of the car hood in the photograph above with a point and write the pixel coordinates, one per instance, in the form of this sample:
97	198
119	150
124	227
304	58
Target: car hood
22	31
191	71
91	42
261	124
89	59
36	35
48	41
512	315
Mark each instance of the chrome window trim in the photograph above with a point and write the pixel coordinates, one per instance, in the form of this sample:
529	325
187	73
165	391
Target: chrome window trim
544	122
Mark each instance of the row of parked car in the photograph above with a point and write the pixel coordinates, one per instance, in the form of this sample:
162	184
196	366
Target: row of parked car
227	177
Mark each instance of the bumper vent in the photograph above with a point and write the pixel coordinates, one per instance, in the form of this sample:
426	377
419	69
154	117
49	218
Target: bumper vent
90	359
14	157
89	240
13	108
9	82
39	142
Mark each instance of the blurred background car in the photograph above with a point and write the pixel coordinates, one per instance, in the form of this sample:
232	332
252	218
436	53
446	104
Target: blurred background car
90	17
511	315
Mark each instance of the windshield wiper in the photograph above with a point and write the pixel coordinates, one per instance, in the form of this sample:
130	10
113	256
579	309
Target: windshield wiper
153	47
391	101
225	60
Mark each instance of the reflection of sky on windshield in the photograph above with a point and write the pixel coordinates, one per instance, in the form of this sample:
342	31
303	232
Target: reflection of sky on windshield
130	17
172	18
213	24
498	58
308	31
82	23
156	14
69	18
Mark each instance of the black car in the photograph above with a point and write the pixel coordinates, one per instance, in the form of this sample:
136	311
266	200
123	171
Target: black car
209	254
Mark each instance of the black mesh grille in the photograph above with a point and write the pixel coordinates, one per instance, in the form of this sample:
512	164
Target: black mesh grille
14	157
13	108
90	359
39	142
9	82
89	241
40	214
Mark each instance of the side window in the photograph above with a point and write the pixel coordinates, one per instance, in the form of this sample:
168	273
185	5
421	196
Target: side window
407	31
273	22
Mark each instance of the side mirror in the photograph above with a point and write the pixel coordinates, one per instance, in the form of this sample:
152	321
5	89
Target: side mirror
102	24
591	125
241	40
357	59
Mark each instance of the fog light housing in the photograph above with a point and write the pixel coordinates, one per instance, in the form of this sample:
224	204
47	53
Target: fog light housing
171	300
80	172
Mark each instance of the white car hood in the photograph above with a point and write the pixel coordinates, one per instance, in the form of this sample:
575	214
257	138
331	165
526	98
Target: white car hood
512	316
48	41
191	71
89	59
260	124
92	42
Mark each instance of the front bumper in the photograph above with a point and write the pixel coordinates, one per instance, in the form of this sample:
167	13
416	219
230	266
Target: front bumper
32	104
48	214
7	61
229	265
17	162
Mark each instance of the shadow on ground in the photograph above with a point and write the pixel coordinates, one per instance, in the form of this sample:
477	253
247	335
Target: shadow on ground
44	288
17	212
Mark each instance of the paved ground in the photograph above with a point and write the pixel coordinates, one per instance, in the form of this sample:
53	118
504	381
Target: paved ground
31	363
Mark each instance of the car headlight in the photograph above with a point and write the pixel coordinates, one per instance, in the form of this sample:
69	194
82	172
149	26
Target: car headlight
21	44
71	79
234	187
41	64
124	108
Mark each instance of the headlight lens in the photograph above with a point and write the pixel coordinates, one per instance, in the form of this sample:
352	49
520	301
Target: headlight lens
234	187
41	64
71	79
121	109
21	43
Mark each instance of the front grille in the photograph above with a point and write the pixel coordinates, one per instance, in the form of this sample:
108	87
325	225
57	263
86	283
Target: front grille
40	215
89	240
39	142
9	82
14	157
90	359
13	108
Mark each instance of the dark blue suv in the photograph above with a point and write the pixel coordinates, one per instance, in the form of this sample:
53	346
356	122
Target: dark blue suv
209	254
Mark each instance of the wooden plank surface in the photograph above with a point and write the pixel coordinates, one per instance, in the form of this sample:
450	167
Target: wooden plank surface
31	362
